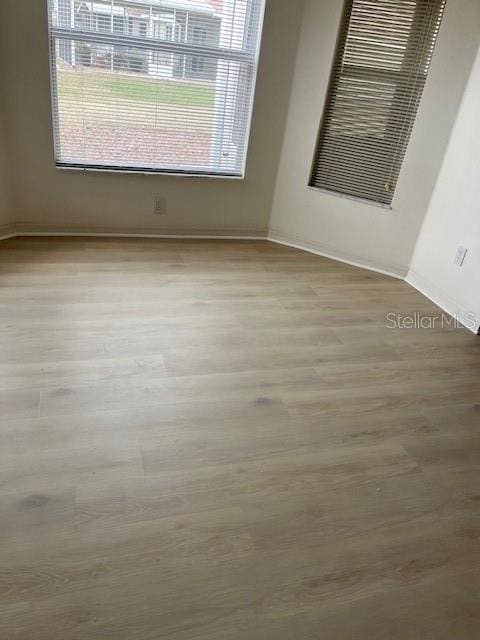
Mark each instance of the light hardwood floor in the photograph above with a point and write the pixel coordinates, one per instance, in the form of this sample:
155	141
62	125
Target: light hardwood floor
223	441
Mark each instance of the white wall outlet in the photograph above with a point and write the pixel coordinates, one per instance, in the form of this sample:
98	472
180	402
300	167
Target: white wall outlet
160	205
460	256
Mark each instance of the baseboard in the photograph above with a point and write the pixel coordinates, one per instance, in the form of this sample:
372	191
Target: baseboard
393	271
468	319
158	236
7	231
26	229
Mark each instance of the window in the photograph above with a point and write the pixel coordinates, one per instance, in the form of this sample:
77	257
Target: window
163	30
199	37
146	85
119	24
104	23
380	68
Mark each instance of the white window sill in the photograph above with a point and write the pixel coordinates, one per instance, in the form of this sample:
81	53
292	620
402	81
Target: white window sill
149	172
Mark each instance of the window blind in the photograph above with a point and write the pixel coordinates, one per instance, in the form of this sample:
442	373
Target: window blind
379	72
154	85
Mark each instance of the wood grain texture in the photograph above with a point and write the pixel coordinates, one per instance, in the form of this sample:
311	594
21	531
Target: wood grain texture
209	440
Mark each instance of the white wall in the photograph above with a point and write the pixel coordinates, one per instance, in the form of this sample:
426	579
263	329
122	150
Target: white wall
342	227
6	210
453	219
6	213
48	199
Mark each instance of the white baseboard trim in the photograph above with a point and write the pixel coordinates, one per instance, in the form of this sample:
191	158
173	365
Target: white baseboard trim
7	231
133	235
247	234
311	247
469	319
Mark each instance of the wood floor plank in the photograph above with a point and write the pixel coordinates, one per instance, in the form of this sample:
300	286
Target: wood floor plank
214	440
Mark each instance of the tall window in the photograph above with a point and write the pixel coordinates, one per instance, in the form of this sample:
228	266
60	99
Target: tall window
150	85
380	68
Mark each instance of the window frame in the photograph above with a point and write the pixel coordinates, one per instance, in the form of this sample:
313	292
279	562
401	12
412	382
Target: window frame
377	74
150	44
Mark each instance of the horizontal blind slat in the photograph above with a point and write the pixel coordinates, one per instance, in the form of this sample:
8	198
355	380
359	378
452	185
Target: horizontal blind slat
378	76
160	85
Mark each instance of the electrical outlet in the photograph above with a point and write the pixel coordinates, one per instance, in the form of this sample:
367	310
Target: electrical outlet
160	205
460	256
